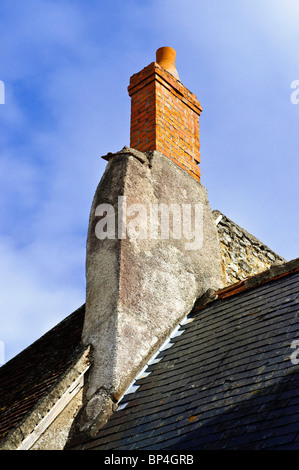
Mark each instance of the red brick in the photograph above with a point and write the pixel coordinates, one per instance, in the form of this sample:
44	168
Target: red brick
165	117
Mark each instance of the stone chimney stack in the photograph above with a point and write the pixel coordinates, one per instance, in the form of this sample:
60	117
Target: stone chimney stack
152	245
165	114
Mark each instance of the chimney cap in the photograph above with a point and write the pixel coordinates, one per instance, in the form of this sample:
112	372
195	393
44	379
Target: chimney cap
165	57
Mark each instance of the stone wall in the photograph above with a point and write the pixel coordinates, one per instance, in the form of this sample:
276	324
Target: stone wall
242	254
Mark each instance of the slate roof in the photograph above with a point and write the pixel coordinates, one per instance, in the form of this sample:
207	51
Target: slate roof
29	376
227	382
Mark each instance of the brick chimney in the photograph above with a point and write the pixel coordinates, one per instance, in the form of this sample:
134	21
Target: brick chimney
165	114
138	288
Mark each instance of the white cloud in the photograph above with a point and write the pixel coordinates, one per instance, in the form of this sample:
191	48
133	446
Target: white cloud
64	109
30	303
66	67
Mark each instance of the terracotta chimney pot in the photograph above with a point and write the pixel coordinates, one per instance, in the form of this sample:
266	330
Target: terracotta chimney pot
165	56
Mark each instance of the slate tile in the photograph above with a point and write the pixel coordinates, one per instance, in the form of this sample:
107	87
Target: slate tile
228	373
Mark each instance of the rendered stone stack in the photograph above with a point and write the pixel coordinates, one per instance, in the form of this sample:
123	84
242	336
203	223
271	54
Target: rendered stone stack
242	254
139	288
165	115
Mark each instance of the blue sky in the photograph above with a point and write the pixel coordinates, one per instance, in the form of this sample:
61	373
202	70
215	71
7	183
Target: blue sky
66	66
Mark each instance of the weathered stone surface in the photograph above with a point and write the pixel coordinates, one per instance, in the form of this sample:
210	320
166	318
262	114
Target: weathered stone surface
139	289
242	254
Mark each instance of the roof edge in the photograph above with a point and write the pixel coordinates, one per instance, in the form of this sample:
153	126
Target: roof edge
16	437
275	272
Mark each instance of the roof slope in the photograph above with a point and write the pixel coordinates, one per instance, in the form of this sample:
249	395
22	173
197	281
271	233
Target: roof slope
29	376
227	382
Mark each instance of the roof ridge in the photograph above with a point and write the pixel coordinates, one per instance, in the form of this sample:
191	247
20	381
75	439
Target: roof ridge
276	271
42	337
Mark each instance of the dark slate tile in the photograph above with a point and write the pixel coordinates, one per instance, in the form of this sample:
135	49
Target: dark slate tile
227	382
